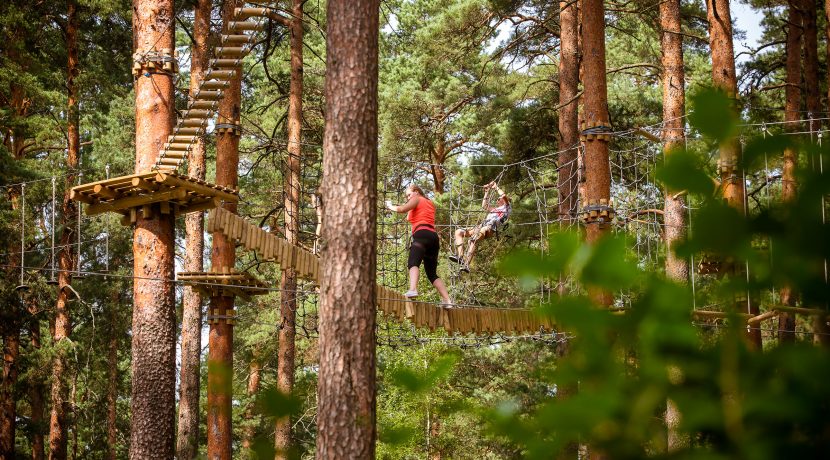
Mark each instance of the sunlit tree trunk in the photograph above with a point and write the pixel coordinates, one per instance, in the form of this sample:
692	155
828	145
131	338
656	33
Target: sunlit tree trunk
187	441
223	255
254	378
66	260
153	365
346	388
566	182
288	288
597	167
36	386
792	107
674	138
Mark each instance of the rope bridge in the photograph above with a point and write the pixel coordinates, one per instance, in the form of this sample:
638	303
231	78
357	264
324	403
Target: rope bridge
393	304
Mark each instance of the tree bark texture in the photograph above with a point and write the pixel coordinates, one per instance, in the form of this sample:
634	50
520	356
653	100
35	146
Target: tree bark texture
8	408
187	442
724	77
597	167
674	138
36	388
254	379
566	182
792	107
731	176
288	285
346	388
223	254
812	92
152	403
112	384
66	260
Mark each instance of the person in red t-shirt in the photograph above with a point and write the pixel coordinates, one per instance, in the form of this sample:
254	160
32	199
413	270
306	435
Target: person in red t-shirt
496	217
425	244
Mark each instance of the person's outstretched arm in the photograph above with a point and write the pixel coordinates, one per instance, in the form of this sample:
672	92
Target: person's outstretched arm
406	207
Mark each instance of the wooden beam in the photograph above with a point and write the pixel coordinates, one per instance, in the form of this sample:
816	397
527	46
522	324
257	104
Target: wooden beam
171	180
766	315
135	201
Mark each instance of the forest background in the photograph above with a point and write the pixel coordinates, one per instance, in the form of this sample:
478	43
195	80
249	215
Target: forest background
463	84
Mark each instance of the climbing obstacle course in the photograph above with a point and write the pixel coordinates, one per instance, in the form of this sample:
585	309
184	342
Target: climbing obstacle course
128	195
462	320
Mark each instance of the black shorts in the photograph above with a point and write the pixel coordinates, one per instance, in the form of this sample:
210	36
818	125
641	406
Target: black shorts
424	247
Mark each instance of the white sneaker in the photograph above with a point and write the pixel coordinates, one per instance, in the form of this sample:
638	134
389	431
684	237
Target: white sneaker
411	294
449	304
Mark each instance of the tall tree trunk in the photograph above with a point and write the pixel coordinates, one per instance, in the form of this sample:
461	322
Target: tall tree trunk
66	262
566	182
254	378
733	188
346	388
36	386
112	382
223	254
8	406
674	138
288	288
187	442
792	106
597	168
152	402
812	91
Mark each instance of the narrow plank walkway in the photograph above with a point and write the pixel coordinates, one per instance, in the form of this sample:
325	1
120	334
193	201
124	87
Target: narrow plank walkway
463	320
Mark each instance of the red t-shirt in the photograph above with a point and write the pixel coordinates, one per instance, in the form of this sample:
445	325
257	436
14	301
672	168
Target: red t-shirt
423	216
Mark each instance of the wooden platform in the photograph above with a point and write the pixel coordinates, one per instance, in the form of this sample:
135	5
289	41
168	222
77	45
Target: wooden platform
128	195
224	283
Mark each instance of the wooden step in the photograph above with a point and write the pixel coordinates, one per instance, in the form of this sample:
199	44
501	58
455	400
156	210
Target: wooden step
200	104
193	122
214	74
208	95
235	39
241	26
224	63
245	13
198	114
214	84
195	132
173	154
177	146
224	52
170	161
181	139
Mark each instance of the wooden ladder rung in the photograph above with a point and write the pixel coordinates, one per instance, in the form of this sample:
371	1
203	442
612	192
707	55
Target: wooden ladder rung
230	52
208	95
200	104
214	84
170	161
177	146
192	122
186	132
224	63
245	13
235	39
241	26
214	74
197	113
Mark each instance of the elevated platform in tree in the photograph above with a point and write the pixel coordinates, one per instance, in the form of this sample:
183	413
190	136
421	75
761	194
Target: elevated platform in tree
460	320
129	195
223	283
